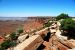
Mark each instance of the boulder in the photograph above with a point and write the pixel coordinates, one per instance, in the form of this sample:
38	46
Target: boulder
42	32
22	38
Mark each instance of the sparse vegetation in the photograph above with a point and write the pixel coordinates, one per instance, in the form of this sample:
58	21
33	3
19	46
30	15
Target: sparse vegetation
11	42
6	44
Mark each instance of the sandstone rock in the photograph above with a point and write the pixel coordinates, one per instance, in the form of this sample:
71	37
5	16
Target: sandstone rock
22	38
32	43
42	32
53	48
68	44
72	49
52	30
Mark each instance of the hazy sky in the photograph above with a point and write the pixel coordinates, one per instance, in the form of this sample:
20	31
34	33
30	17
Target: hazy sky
36	7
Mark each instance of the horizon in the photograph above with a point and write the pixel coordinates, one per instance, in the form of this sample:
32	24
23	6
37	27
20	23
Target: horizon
33	8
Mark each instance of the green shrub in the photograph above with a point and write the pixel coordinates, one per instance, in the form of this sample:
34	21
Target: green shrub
8	44
62	16
13	43
20	31
5	44
68	26
1	48
13	36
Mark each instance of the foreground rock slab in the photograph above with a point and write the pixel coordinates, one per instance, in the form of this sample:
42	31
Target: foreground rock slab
32	43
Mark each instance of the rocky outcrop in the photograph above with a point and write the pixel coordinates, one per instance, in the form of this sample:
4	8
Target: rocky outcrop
55	41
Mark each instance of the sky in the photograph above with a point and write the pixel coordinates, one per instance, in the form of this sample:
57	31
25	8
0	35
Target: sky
23	8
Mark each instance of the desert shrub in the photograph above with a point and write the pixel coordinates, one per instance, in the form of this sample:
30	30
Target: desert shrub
5	44
13	36
20	30
13	43
68	26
